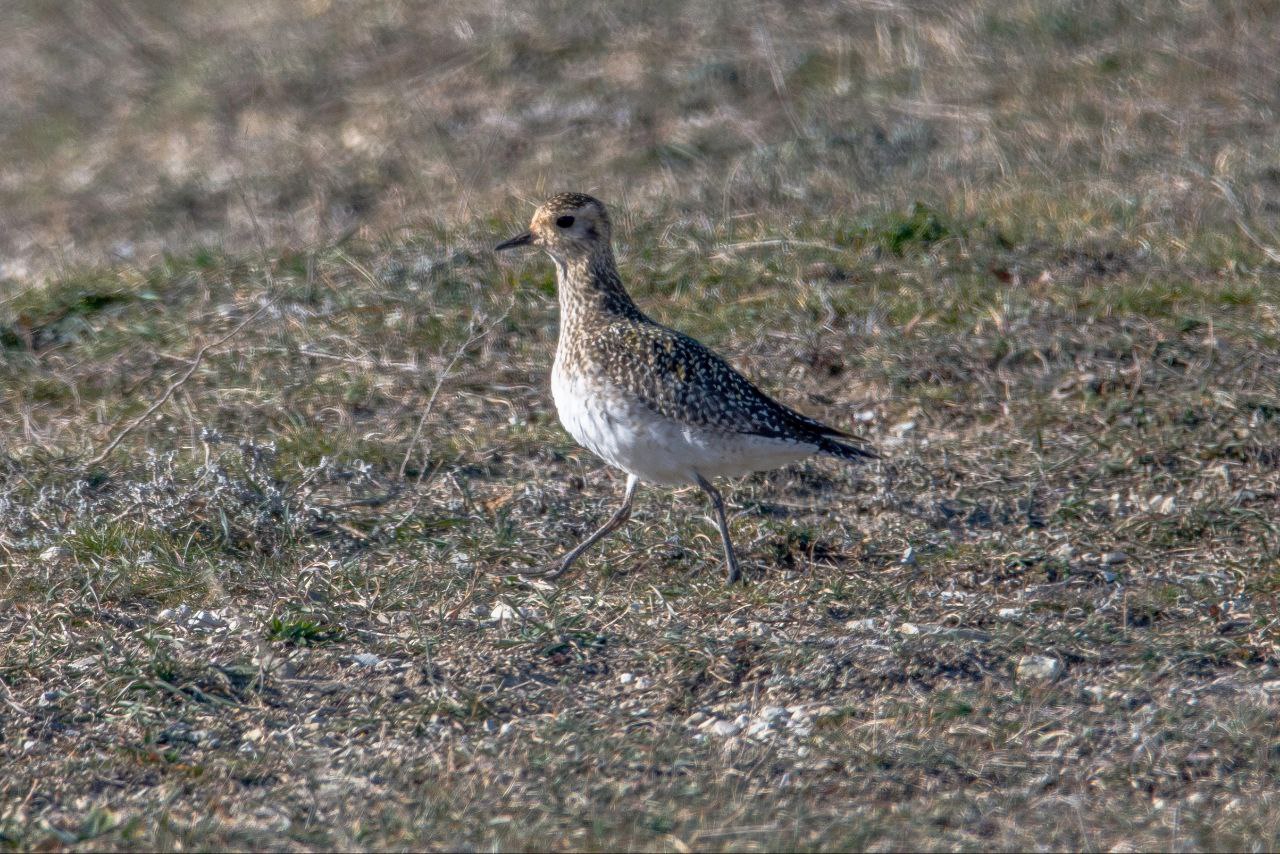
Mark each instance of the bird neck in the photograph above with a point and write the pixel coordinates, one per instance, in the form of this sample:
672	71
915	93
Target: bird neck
589	287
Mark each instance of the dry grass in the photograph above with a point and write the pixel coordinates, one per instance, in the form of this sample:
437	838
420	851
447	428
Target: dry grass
281	611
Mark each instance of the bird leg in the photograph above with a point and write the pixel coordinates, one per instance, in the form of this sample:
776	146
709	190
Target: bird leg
731	561
622	514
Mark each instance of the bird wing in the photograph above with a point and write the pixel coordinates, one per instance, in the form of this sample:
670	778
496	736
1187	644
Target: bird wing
681	379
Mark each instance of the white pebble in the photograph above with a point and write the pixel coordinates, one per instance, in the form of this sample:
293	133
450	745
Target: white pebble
725	729
1039	668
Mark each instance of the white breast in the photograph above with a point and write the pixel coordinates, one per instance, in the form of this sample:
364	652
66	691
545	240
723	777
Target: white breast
629	435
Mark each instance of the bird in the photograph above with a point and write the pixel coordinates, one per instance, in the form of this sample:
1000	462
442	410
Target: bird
647	399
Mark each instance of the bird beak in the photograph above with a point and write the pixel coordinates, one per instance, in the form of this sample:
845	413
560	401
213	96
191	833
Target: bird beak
525	239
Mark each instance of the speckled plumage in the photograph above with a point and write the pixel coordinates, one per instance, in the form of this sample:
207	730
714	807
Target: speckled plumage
648	399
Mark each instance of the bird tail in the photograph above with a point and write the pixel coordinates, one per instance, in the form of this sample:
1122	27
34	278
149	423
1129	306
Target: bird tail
853	453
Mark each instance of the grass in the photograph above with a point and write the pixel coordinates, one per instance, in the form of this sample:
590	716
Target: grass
283	611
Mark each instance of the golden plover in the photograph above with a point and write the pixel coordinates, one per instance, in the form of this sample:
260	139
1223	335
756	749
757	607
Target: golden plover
647	399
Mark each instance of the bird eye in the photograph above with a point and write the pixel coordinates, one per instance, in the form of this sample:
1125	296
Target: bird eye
564	221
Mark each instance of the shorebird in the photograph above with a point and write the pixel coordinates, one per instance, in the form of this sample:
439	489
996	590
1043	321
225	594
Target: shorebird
647	399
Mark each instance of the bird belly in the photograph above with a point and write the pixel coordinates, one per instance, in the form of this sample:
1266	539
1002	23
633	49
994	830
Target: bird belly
627	434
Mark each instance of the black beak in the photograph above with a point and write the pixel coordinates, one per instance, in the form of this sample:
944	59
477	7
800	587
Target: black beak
525	239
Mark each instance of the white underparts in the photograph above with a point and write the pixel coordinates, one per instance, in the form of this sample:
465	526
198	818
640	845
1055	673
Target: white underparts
627	434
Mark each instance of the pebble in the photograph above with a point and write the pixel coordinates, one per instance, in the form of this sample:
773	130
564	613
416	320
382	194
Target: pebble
867	625
1114	558
725	729
54	553
1009	613
502	612
1039	668
366	659
206	620
803	727
176	615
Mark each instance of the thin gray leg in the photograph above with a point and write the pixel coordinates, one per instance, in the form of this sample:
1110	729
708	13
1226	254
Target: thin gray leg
621	515
731	560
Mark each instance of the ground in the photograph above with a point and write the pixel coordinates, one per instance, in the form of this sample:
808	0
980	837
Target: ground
272	450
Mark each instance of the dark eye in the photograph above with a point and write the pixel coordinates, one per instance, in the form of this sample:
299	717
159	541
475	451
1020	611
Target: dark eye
564	221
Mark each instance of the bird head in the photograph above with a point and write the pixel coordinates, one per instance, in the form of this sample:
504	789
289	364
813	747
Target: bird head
566	226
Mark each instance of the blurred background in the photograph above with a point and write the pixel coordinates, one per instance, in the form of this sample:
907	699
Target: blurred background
129	127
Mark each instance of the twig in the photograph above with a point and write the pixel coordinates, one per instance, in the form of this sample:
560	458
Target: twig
441	377
176	384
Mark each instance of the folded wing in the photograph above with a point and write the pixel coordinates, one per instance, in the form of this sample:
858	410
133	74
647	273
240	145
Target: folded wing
681	379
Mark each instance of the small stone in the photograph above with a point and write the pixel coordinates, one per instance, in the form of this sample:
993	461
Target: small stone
83	664
1114	558
1271	686
695	719
1039	668
206	621
1066	551
904	427
1009	614
626	678
726	729
802	727
908	557
867	625
909	629
54	553
771	713
758	729
176	615
502	612
366	659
